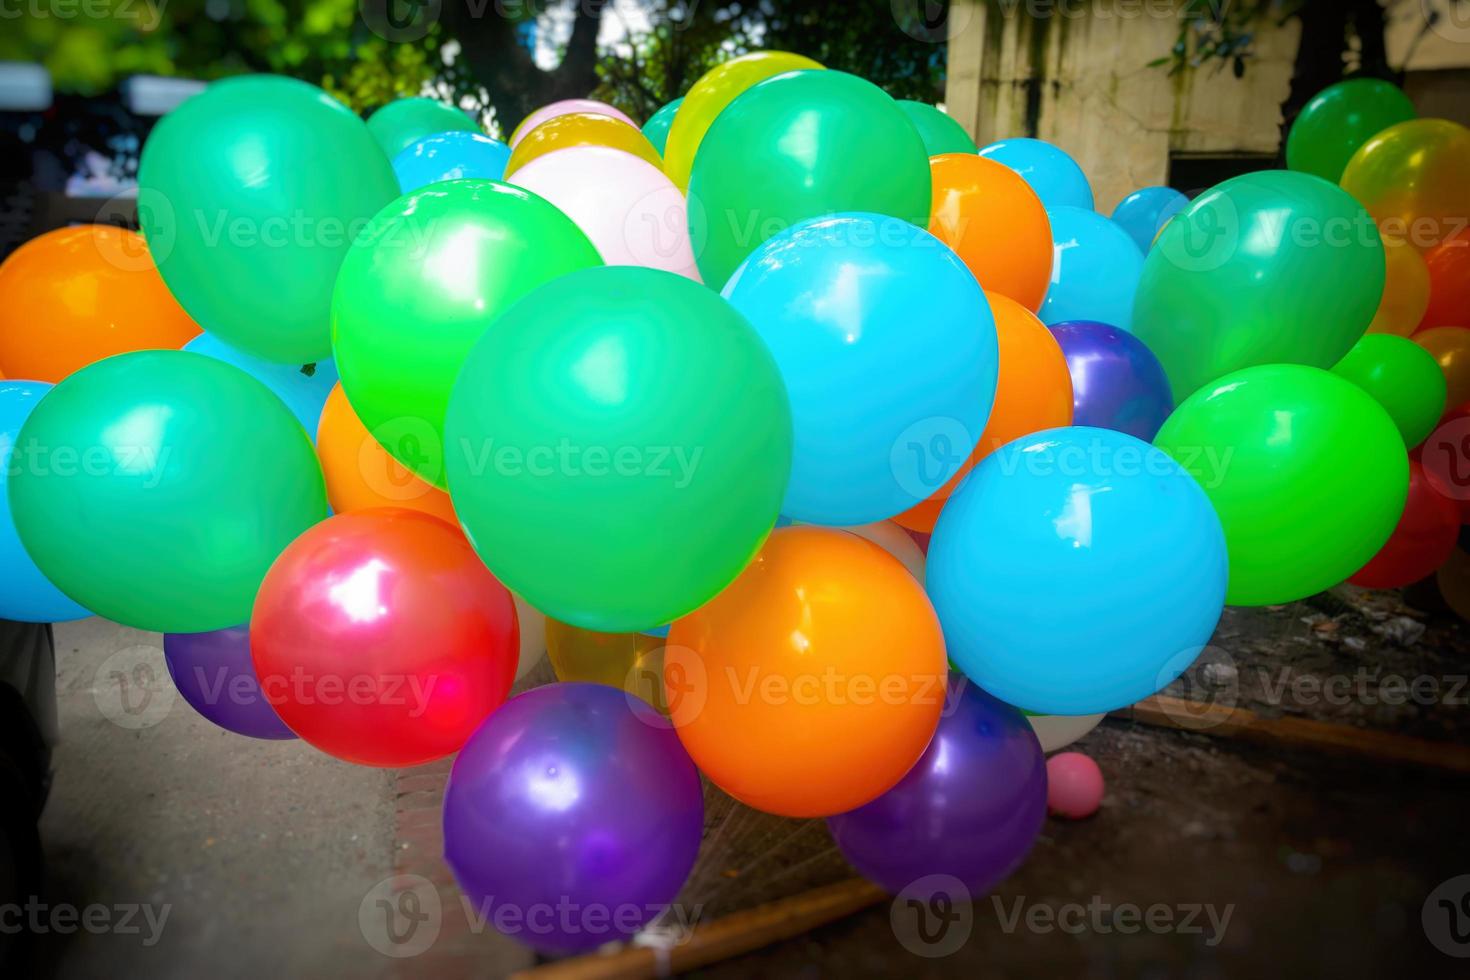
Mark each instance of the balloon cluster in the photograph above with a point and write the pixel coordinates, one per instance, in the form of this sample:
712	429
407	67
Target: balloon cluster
760	420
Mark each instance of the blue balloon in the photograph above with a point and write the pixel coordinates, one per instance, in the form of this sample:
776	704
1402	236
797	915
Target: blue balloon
887	347
658	125
1053	175
1077	571
1094	271
450	156
1142	213
26	595
304	388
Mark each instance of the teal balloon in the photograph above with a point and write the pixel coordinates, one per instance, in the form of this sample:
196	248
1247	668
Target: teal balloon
28	596
249	195
657	127
302	387
801	145
399	125
940	133
155	488
1266	268
618	445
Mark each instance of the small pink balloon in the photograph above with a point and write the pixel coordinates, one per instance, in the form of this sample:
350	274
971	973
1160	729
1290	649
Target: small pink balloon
1074	785
561	109
630	211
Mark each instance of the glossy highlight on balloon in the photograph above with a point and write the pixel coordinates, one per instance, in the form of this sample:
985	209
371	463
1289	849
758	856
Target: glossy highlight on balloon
381	639
456	155
1117	383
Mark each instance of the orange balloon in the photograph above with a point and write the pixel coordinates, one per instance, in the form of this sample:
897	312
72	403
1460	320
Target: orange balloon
1448	264
1405	290
1451	348
76	295
360	473
994	221
1033	391
814	681
581	129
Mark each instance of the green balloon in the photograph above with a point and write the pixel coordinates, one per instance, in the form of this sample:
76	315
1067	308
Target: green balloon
155	488
398	125
249	194
1265	268
796	146
1306	471
657	127
1403	377
1341	118
941	134
418	289
618	447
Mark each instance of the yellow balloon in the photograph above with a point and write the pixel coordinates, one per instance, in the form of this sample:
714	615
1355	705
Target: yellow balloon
632	662
581	129
716	89
1412	178
1405	290
1451	348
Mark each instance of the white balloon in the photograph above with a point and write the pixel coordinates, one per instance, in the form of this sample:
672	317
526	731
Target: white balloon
1059	731
896	541
626	207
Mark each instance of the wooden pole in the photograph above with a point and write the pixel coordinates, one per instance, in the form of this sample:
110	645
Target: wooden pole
737	933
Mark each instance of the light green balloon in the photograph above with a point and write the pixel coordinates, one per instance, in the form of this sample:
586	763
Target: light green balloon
155	488
249	195
795	146
1307	473
618	447
657	127
941	134
398	125
419	288
1403	377
1269	267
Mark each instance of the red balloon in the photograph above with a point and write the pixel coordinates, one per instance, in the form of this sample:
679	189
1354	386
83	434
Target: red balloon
1421	542
1446	458
380	637
1449	283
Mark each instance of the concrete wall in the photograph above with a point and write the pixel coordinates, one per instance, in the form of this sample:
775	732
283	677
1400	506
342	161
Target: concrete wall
1079	77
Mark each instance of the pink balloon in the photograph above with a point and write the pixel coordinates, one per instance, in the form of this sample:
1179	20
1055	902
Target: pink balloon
629	210
561	109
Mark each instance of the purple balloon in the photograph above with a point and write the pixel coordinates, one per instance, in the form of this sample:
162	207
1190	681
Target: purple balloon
1117	382
572	816
214	673
970	808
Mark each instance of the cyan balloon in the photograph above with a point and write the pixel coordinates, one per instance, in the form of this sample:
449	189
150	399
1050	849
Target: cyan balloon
657	127
450	156
28	596
304	388
1142	213
1094	272
1053	175
1077	571
887	346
